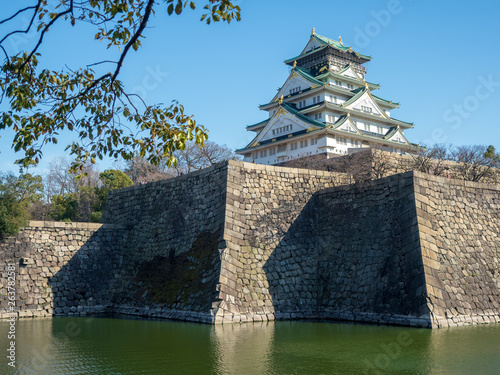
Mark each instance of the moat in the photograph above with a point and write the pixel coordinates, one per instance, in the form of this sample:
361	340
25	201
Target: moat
125	346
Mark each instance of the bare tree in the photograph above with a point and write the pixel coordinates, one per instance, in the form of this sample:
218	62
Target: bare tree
59	181
473	164
382	164
430	160
141	171
193	157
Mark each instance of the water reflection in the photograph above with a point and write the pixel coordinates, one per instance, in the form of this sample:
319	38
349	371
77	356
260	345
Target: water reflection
464	350
120	346
243	348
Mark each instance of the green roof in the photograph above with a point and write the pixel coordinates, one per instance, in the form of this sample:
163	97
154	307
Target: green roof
341	121
359	92
305	73
257	124
339	75
337	124
384	100
305	54
302	116
336	44
393	130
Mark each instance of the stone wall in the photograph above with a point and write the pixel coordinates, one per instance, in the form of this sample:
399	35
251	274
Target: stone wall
170	264
344	252
264	203
61	268
459	228
156	256
369	261
241	242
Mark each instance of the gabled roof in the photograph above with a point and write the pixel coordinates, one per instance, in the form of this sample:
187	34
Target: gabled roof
290	110
305	73
377	100
303	117
257	125
392	133
296	72
341	121
348	68
325	43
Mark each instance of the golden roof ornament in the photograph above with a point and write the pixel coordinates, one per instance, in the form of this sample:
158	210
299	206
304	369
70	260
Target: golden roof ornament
340	40
366	84
281	100
294	64
313	31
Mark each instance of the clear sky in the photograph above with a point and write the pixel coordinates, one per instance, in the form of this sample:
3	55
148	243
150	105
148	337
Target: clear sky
440	60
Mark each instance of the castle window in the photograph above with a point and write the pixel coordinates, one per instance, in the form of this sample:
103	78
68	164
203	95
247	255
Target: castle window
364	108
349	86
317	116
314	141
272	151
293	146
367	127
263	153
303	144
281	148
338	83
282	129
380	129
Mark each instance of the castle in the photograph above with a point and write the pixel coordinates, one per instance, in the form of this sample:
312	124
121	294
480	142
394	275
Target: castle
325	107
244	242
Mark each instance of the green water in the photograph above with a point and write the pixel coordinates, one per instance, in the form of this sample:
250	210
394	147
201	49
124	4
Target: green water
122	346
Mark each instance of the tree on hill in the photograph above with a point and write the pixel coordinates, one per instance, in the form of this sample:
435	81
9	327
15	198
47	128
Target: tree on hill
16	195
112	179
91	101
491	154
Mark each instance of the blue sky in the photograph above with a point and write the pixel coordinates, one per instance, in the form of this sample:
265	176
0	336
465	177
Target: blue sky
440	60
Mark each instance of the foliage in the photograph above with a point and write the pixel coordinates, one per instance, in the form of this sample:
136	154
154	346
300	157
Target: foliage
64	207
95	216
112	179
16	194
491	154
95	106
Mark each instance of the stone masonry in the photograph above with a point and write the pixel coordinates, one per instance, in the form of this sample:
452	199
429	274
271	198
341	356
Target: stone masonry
239	242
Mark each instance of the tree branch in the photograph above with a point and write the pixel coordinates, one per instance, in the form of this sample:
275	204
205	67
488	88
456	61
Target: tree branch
42	34
36	7
19	12
137	34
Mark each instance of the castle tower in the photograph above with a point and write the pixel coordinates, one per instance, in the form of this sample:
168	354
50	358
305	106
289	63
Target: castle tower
325	107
